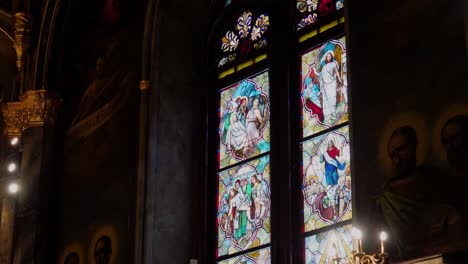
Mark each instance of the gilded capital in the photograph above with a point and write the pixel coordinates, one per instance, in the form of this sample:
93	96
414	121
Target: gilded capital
22	36
35	108
40	106
14	118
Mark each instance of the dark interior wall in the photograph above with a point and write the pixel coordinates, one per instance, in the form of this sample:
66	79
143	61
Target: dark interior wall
175	147
7	66
408	66
96	71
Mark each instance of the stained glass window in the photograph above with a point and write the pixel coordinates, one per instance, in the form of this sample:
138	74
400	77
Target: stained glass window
324	86
246	224
257	257
243	38
327	246
327	179
326	162
244	126
243	202
244	207
311	12
325	146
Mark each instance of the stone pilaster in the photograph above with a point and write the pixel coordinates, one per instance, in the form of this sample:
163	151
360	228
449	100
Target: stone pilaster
32	118
7	223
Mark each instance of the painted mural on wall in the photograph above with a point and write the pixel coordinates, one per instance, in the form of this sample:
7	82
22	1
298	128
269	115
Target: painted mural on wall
423	200
404	89
99	156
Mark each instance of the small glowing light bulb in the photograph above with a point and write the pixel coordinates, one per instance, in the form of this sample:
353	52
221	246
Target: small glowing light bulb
383	236
14	141
13	188
356	233
11	167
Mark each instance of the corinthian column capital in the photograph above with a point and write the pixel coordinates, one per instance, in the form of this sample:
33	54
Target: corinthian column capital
35	108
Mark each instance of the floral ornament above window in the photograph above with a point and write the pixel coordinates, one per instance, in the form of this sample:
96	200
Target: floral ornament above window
247	37
310	11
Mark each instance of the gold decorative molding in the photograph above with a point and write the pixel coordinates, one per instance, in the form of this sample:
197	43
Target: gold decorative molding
22	35
14	118
144	85
35	108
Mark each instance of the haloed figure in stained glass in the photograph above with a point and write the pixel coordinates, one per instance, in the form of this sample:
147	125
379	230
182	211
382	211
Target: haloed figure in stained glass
243	216
324	87
244	118
327	179
330	81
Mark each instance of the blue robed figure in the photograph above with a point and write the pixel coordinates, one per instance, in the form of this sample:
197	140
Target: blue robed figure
332	164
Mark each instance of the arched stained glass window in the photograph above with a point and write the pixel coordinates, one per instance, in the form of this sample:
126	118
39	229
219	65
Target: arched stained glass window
324	143
250	173
242	95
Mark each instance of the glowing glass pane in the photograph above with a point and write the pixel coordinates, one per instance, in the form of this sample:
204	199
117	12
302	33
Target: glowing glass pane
247	35
244	127
244	207
257	257
326	183
324	87
327	246
311	11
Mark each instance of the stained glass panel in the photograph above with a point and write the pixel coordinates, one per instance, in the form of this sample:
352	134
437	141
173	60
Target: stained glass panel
324	247
311	11
246	36
244	127
244	207
324	87
257	257
326	184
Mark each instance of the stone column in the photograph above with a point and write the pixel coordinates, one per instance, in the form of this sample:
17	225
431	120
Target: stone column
6	229
33	118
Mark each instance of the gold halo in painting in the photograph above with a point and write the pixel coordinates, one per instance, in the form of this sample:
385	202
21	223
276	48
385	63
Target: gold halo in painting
412	119
449	112
106	230
73	247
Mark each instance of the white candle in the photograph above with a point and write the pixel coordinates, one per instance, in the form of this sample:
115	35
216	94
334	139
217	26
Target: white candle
357	236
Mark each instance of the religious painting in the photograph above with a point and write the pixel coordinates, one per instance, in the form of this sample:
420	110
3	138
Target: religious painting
244	126
72	254
72	258
324	86
311	11
244	207
256	257
99	159
326	247
326	182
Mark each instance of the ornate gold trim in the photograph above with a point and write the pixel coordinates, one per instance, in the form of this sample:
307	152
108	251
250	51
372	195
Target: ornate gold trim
14	118
144	85
35	108
22	36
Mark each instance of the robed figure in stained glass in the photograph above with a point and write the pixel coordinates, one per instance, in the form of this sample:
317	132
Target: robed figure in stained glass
332	164
244	119
243	209
313	97
324	87
330	80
